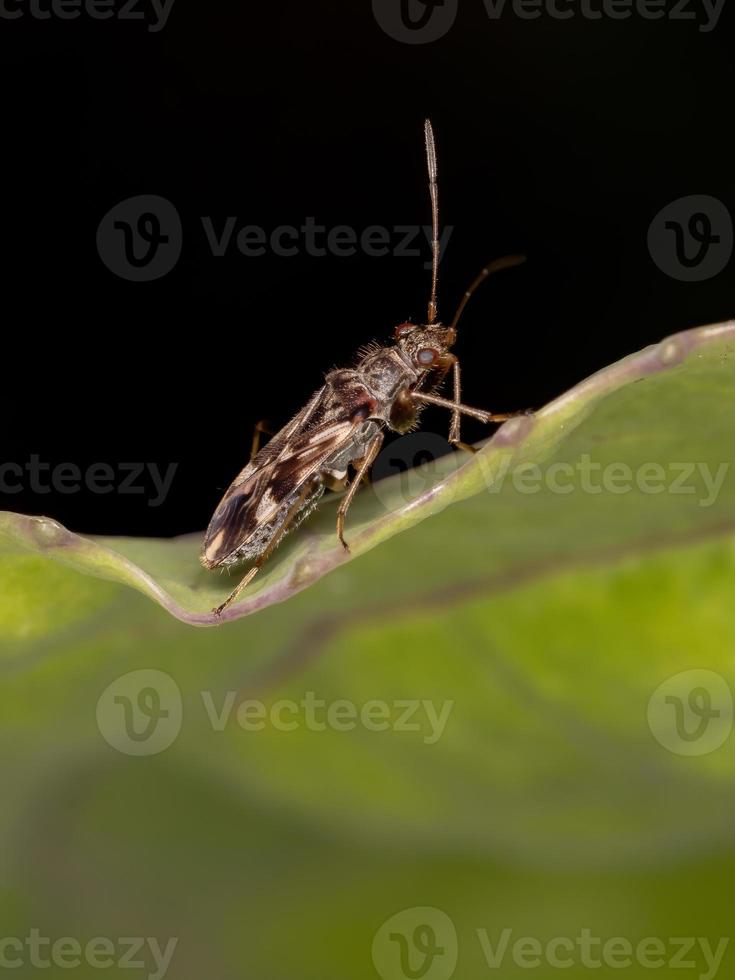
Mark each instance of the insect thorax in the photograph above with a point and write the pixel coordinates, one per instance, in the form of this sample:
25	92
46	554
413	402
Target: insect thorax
385	373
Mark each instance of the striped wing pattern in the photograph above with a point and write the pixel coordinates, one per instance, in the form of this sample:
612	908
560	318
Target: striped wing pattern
252	509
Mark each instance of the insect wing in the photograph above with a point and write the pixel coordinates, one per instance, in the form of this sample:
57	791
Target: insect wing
269	482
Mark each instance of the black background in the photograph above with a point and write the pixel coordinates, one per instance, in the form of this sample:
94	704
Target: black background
561	138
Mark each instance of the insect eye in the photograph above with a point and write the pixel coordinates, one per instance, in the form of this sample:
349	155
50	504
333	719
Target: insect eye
403	328
426	356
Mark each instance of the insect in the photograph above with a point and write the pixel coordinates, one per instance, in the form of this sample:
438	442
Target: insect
341	427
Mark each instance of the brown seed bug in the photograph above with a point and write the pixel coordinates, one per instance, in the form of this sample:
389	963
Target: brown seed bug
342	427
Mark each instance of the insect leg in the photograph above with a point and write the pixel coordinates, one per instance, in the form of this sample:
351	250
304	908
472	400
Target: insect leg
236	591
260	428
457	407
455	438
371	451
447	363
293	512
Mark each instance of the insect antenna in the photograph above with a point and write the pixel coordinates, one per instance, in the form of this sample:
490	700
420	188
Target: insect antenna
434	191
507	262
